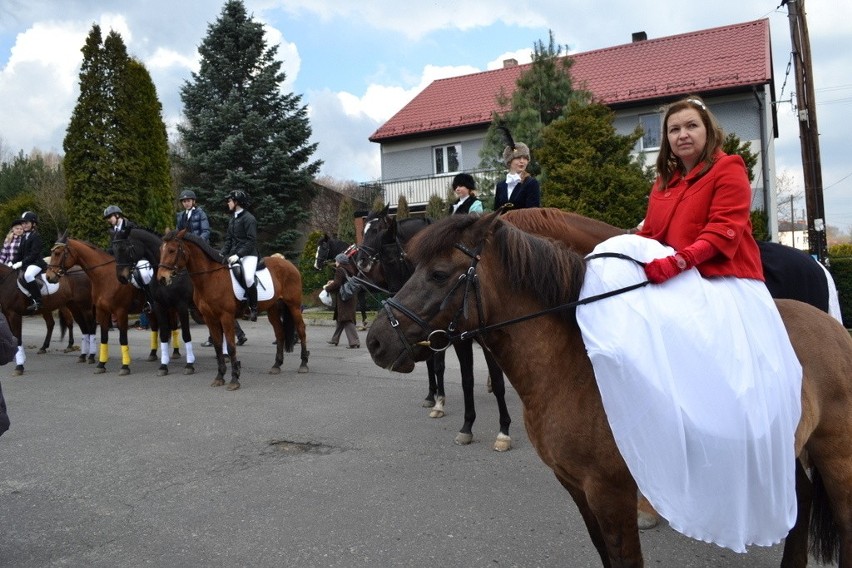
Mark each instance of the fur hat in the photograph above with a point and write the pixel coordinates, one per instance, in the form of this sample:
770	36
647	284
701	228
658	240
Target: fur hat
518	150
464	180
341	258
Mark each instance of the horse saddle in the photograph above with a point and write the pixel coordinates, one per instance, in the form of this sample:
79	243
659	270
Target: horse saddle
262	279
143	272
46	287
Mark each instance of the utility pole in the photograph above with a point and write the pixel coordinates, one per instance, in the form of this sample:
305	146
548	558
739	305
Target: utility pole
808	131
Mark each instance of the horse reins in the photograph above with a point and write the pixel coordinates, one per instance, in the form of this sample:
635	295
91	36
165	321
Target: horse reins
472	282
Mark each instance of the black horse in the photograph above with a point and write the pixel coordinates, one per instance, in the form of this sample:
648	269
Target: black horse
138	250
381	258
328	248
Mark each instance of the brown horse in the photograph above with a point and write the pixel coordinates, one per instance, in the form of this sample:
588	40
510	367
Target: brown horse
214	296
545	359
73	294
109	296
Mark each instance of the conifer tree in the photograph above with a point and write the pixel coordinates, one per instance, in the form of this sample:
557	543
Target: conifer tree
241	132
402	211
346	221
116	149
590	168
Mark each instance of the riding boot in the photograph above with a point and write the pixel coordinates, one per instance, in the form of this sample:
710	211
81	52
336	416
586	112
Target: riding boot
149	299
251	294
241	335
35	292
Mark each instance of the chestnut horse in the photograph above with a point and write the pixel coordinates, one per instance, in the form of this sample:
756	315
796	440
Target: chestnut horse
214	296
73	295
543	354
137	250
109	296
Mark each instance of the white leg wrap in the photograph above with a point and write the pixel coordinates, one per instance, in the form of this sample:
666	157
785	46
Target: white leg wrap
164	352
190	354
20	356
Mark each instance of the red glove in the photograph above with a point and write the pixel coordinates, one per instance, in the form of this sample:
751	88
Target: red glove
661	269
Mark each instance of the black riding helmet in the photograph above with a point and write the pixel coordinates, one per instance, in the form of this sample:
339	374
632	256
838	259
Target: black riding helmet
29	216
239	197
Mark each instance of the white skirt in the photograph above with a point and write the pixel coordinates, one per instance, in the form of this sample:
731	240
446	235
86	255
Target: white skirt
702	391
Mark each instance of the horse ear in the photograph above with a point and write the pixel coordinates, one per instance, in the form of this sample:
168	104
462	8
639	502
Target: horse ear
62	237
489	222
384	212
181	233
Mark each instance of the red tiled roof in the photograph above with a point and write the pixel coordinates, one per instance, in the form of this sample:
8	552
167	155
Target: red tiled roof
698	62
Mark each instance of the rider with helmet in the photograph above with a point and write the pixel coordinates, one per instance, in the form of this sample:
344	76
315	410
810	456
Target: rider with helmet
192	218
31	258
241	243
195	221
119	222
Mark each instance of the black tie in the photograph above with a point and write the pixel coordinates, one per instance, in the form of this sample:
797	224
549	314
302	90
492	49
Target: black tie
185	222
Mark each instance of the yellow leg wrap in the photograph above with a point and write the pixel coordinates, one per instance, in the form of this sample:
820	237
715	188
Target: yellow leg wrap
154	340
103	356
125	354
175	339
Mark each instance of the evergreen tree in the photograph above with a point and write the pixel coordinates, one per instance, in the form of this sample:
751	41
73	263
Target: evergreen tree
435	207
540	95
589	168
402	211
241	132
733	145
116	149
346	221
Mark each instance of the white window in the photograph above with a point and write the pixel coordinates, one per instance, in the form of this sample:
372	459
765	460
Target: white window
651	127
447	158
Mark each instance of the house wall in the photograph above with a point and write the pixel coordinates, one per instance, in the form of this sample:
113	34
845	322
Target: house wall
747	115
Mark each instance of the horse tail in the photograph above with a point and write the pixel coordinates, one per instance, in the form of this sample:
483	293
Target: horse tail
289	328
63	325
825	542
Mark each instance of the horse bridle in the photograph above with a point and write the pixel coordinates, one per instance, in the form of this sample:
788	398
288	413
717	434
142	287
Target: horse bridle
60	268
447	337
181	253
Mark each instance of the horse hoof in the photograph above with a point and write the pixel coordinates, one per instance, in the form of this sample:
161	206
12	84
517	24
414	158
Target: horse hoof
503	443
19	370
124	371
275	371
176	354
152	357
162	371
437	413
99	370
233	386
647	520
91	360
428	402
41	351
189	370
463	439
303	368
217	383
72	349
81	359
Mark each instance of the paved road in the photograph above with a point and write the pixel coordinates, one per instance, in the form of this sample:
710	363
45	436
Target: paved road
339	467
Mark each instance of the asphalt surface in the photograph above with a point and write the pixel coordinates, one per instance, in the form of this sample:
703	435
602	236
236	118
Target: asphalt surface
338	467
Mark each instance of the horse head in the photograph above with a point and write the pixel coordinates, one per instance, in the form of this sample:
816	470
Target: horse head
172	256
59	262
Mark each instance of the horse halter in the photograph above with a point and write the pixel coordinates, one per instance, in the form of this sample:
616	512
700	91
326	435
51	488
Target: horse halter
180	253
444	338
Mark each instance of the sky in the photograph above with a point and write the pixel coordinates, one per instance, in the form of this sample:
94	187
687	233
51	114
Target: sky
355	64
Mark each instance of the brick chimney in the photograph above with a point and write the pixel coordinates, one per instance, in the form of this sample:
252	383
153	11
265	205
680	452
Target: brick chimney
639	36
510	63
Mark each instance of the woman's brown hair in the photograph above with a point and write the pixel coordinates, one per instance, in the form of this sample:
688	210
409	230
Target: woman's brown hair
667	162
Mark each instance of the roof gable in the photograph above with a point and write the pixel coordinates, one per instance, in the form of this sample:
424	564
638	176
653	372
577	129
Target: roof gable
709	60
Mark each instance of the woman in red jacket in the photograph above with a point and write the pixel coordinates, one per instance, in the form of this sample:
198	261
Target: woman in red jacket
696	372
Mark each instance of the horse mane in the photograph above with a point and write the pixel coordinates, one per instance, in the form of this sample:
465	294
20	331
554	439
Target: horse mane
211	253
551	221
534	265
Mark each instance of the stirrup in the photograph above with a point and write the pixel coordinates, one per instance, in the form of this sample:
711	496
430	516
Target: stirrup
34	306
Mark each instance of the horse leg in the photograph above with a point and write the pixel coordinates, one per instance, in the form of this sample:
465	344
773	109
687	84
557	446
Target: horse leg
15	324
66	323
228	329
274	314
164	334
186	335
104	320
796	544
464	351
216	337
299	322
155	324
503	442
51	323
123	341
429	401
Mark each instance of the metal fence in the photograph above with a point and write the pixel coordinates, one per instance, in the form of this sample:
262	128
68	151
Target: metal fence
418	190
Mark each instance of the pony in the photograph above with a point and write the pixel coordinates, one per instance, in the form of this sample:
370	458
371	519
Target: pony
381	258
72	297
137	250
328	248
109	297
213	294
529	326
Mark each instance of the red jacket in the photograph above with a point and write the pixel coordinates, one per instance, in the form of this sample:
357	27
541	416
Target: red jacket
714	207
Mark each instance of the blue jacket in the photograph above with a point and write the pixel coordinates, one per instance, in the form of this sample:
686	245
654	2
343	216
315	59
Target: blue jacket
198	224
